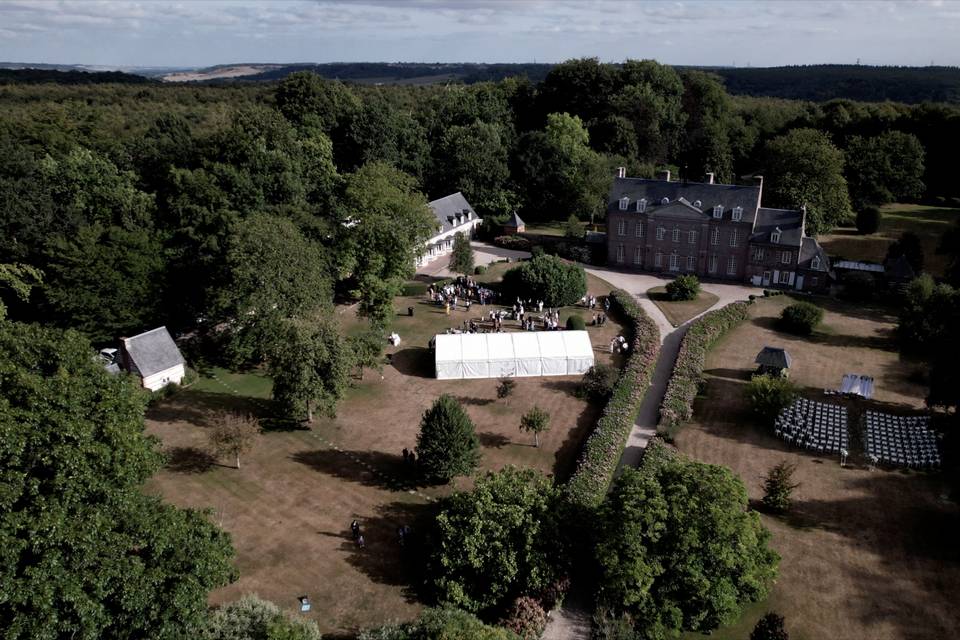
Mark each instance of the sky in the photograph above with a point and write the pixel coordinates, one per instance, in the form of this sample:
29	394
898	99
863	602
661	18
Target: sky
197	33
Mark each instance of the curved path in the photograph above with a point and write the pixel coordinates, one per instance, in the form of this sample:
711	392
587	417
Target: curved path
573	620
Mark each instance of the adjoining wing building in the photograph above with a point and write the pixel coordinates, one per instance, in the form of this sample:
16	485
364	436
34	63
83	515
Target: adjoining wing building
715	231
454	215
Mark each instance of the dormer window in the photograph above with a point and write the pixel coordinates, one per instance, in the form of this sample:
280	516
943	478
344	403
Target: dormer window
815	263
737	214
718	211
641	205
775	236
697	204
624	201
469	215
665	200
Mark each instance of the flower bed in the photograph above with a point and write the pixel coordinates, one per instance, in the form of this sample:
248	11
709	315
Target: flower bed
603	448
677	405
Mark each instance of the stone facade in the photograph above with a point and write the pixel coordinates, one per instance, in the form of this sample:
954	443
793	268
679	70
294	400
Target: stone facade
711	230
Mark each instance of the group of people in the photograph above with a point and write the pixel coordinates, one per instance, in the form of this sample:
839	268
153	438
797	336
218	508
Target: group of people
619	345
599	319
590	302
403	534
463	289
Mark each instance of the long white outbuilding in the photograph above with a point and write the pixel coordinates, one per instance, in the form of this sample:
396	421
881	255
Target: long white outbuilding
519	354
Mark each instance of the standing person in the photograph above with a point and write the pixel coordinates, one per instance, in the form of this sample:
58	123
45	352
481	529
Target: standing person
406	455
355	529
361	542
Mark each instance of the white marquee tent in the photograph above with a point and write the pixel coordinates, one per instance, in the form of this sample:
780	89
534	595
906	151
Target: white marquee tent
520	354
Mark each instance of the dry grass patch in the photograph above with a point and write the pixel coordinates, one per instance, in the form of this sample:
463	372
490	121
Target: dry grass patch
866	554
679	311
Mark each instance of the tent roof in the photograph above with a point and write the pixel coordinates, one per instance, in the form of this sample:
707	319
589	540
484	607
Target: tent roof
448	348
551	344
499	346
577	344
774	357
472	348
525	344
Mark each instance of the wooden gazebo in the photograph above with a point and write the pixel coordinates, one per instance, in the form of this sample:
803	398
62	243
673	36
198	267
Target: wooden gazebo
773	361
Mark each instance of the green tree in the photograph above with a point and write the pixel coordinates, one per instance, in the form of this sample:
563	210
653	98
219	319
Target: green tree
20	279
599	381
535	421
685	287
909	246
884	168
85	553
234	434
496	542
868	220
705	145
461	259
801	318
309	365
547	278
678	549
251	618
306	98
447	445
473	159
574	228
272	273
769	395
769	627
505	388
802	167
366	350
440	623
778	486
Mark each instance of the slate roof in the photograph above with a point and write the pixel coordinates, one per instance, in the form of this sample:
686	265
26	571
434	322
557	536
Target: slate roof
774	357
709	195
446	209
789	221
514	221
900	269
808	250
153	351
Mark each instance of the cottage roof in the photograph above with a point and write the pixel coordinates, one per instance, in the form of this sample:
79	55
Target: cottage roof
789	221
447	209
514	221
709	195
808	250
774	357
153	351
899	269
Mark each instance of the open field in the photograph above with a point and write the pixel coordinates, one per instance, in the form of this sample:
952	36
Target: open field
929	223
678	312
865	554
289	507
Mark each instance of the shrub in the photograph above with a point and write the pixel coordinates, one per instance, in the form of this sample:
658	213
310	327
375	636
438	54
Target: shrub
580	254
778	486
868	220
599	381
603	448
769	627
447	623
677	405
479	270
768	395
447	445
535	421
575	323
526	618
461	258
574	228
859	286
801	318
512	242
548	278
505	388
685	287
252	618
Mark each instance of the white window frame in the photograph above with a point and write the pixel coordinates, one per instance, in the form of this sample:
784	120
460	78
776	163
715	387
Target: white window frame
732	266
676	235
658	260
638	232
621	227
758	254
660	233
638	255
775	236
734	237
620	253
624	203
815	263
691	237
737	214
664	200
715	236
713	263
691	263
786	257
784	277
718	211
642	205
674	262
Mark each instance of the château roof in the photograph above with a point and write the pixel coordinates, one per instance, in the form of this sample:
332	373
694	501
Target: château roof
447	209
707	195
789	221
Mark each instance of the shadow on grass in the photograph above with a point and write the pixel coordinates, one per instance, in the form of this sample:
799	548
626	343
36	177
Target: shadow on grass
188	460
369	468
493	440
475	402
732	374
569	387
413	361
200	407
565	459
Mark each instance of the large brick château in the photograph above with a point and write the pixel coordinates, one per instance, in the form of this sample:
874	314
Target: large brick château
716	231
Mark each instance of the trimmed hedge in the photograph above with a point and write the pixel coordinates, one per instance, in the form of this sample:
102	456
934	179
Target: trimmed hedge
598	461
677	405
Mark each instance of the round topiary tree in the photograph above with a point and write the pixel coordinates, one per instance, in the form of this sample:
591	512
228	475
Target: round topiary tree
598	382
868	220
548	278
575	323
685	287
801	318
447	445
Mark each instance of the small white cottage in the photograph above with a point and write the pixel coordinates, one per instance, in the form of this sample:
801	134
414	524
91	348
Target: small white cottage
154	357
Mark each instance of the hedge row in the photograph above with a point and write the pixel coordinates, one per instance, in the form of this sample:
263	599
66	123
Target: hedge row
602	450
677	405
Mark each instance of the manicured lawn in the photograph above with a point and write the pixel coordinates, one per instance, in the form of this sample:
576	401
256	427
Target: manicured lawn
929	223
252	384
289	507
679	312
865	554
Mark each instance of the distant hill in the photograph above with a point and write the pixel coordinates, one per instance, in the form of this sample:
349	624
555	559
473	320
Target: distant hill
68	76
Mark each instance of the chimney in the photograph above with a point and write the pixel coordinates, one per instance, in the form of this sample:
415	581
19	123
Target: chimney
664	175
759	181
621	172
709	178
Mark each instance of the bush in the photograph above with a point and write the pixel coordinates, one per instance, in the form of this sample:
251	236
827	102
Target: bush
677	405
579	254
575	323
801	318
768	395
603	448
868	220
859	286
479	270
505	388
685	287
546	278
526	618
447	445
447	623
599	381
512	242
251	618
778	486
769	627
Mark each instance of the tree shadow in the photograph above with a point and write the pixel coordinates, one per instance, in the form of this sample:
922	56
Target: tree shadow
493	440
731	374
188	460
200	407
475	402
369	468
569	387
413	361
565	459
879	342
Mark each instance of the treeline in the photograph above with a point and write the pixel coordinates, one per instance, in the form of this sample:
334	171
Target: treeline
143	205
36	76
